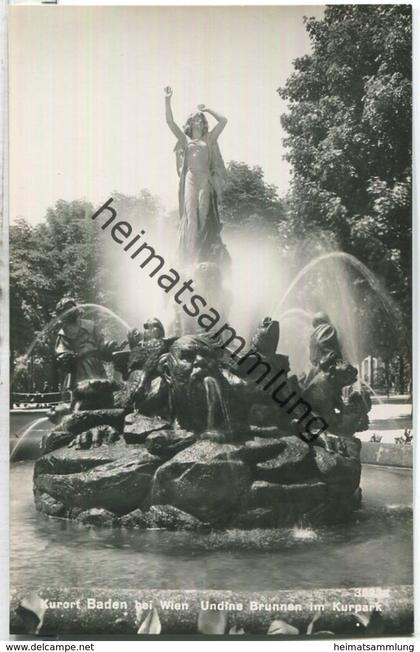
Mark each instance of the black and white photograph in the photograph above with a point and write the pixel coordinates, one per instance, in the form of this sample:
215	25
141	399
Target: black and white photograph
210	299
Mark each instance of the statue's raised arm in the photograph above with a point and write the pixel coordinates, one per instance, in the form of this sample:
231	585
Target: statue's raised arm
221	121
177	132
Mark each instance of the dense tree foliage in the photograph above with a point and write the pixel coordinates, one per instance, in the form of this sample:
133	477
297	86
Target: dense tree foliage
49	260
348	129
248	199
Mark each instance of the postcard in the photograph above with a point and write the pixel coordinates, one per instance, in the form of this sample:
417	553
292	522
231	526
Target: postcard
210	321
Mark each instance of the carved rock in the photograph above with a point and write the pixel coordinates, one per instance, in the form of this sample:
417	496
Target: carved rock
171	518
353	447
136	519
45	503
293	465
335	469
55	439
263	494
260	450
78	422
138	427
96	517
70	460
119	486
203	481
167	443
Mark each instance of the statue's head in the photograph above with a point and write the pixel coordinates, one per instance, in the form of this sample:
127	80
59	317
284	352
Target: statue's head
189	360
67	310
186	368
320	318
344	374
196	120
153	329
266	338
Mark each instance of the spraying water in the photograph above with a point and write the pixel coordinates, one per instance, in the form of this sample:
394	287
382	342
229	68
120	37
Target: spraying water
265	283
24	436
330	288
107	311
300	533
374	283
371	390
296	312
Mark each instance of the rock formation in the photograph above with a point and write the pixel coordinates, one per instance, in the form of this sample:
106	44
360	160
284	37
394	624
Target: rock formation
191	441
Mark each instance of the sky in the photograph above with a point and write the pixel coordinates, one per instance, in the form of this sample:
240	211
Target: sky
87	104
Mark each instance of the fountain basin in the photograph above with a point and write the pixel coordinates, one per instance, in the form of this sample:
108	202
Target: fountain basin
387	454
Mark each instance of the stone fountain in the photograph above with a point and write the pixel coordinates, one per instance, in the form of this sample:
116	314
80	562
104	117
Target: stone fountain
190	440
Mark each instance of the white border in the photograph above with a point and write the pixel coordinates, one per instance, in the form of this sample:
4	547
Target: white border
4	313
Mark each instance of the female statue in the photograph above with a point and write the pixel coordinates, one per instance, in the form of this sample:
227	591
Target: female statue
202	177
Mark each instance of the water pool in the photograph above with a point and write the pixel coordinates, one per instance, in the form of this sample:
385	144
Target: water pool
373	550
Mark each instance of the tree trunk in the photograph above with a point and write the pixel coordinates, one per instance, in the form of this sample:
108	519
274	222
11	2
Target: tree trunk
387	377
401	374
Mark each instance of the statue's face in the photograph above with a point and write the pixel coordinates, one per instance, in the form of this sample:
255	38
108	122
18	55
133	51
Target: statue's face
192	360
153	329
197	122
71	317
185	368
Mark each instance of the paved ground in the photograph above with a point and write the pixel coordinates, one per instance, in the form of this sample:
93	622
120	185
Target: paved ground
389	419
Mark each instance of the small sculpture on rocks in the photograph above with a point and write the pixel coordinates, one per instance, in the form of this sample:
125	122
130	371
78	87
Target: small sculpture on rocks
80	348
139	365
324	384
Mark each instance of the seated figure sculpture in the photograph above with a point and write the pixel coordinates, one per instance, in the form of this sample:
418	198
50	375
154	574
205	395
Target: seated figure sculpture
193	382
80	348
329	375
324	347
139	364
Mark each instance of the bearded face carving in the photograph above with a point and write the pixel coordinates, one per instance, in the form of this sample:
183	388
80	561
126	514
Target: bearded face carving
195	383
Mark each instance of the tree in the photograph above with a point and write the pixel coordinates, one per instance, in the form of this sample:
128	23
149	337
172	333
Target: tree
28	285
49	260
348	131
248	199
64	255
141	211
72	256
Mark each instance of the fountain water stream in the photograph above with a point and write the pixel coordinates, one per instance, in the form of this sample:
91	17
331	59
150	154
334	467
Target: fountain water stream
24	436
333	288
217	410
387	302
304	315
